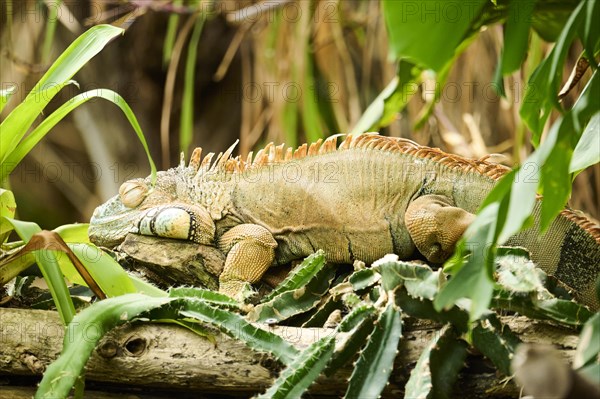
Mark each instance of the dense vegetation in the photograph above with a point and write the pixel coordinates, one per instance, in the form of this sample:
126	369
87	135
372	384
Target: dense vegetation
425	45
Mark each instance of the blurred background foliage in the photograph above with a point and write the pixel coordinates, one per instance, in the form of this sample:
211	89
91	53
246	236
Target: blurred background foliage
203	73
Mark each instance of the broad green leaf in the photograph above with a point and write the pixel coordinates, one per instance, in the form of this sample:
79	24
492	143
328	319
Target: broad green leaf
40	131
5	95
82	335
516	34
8	206
302	372
474	279
85	47
429	32
47	261
587	151
374	111
589	343
77	232
376	360
107	273
25	230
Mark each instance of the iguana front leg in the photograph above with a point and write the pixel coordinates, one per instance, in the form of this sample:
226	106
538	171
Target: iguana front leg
178	221
250	250
435	226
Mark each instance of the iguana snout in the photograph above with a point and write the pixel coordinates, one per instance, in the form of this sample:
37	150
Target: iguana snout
435	226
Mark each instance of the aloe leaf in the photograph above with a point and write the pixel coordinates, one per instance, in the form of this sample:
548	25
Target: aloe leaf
363	279
437	367
302	372
560	310
515	272
85	47
211	297
319	317
25	146
375	362
82	335
300	276
357	325
291	303
420	280
496	341
235	326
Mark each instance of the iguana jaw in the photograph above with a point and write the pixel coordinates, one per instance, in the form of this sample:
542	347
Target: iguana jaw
112	221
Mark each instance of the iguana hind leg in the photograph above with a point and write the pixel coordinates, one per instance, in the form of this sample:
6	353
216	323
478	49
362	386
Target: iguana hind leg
435	225
250	250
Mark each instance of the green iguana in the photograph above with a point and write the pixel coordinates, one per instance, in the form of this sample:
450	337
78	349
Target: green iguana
368	197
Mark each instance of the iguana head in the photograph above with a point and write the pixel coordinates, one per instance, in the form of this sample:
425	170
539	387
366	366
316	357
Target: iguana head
165	210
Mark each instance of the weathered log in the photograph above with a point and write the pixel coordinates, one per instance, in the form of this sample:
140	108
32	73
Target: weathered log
168	357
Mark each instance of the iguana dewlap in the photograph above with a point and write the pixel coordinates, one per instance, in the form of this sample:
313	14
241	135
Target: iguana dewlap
367	197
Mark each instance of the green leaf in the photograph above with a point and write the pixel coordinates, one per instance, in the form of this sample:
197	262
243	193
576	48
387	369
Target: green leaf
516	34
496	341
363	279
8	206
13	159
76	232
516	272
375	363
47	261
82	335
589	343
586	152
186	130
474	280
171	34
438	366
235	326
5	95
211	297
357	325
302	372
374	111
420	281
85	47
429	32
300	275
292	303
109	275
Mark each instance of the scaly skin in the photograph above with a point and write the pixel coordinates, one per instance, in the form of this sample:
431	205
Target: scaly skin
370	196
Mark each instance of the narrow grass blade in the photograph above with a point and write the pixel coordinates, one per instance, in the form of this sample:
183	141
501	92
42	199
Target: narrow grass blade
40	131
85	47
5	95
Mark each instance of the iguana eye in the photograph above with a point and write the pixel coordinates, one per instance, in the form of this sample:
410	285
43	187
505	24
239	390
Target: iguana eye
132	193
